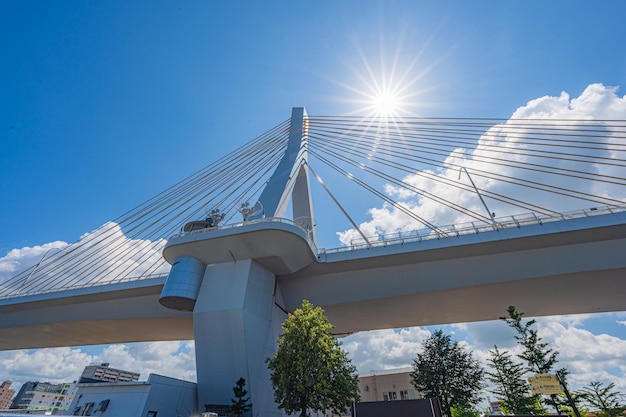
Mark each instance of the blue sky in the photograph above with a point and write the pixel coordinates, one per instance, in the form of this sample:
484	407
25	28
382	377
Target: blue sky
104	104
103	99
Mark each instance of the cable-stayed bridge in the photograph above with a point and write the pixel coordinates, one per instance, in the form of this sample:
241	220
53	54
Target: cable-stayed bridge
240	262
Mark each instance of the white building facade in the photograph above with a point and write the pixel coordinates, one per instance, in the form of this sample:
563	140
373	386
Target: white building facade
104	373
159	396
387	385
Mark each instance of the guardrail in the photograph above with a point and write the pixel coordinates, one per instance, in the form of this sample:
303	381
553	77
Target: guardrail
306	231
442	232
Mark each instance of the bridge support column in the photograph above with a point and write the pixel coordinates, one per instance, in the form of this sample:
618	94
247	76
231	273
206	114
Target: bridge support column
236	326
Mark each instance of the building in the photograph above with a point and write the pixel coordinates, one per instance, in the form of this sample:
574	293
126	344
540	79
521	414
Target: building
158	396
379	389
49	401
387	385
26	386
44	396
102	373
6	395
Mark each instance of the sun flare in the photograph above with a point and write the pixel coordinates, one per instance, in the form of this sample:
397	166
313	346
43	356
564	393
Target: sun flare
385	93
386	104
387	81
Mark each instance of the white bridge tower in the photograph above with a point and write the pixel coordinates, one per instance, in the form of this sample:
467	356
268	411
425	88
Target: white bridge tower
227	278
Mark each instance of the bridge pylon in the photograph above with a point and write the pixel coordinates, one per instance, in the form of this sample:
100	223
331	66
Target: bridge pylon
227	278
290	181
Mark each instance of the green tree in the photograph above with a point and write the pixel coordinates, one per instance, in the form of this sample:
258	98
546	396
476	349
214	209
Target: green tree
605	399
240	404
445	370
567	409
309	370
539	358
511	389
464	411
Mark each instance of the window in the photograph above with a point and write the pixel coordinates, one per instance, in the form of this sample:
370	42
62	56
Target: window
102	406
404	394
87	409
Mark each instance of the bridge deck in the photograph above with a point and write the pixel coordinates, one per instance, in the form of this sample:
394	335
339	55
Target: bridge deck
570	266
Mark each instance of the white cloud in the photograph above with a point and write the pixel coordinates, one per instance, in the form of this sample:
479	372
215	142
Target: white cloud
384	349
105	254
487	334
53	365
588	355
174	359
18	260
597	102
56	365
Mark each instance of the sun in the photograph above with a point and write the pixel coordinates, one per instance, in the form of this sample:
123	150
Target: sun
384	89
385	99
386	103
387	79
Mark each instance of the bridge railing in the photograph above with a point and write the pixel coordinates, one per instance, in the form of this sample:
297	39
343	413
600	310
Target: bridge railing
505	222
307	232
475	227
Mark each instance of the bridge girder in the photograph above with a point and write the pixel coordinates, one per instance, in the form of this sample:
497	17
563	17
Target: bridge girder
452	280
